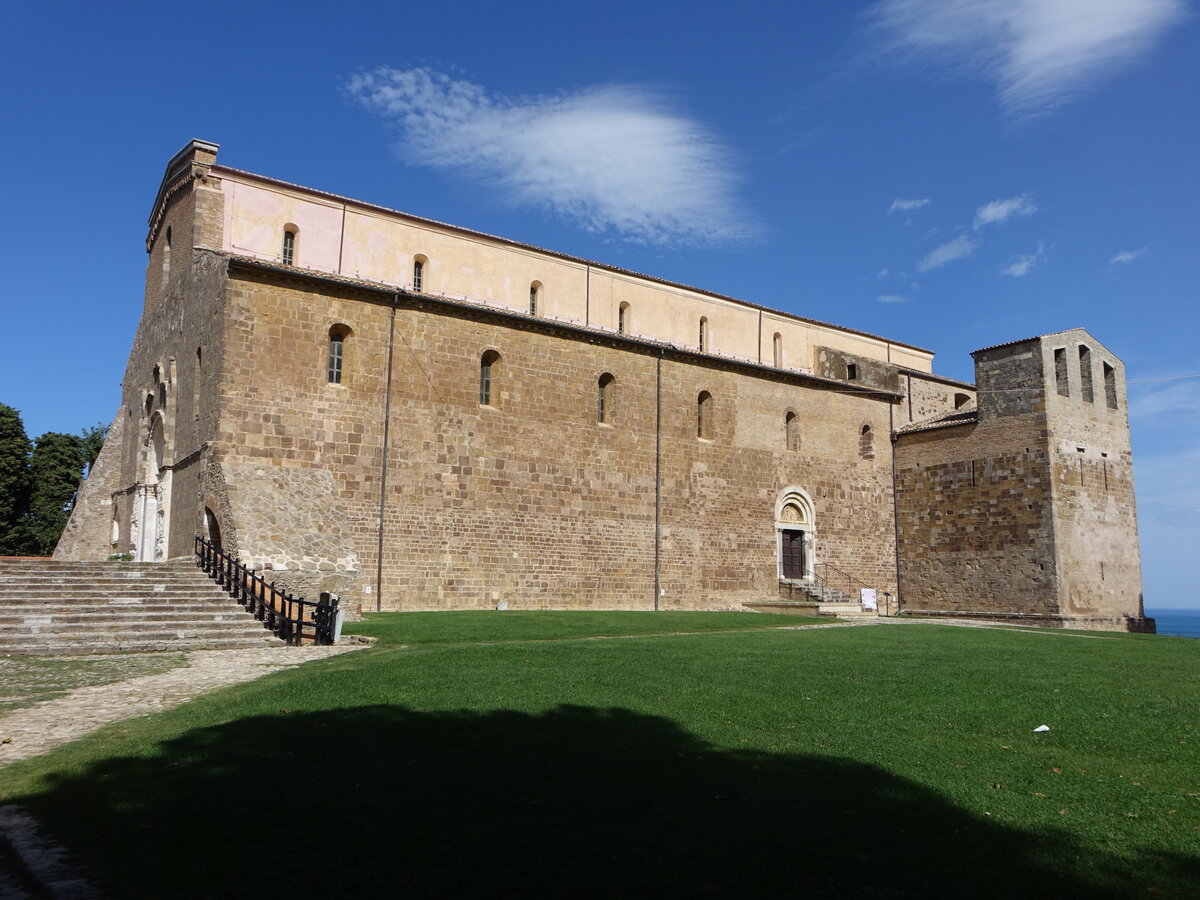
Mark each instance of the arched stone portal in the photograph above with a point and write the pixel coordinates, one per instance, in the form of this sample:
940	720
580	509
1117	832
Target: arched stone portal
795	534
155	495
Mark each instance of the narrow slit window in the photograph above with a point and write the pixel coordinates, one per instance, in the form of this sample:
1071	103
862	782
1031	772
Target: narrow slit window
851	372
604	399
623	319
1110	386
777	350
704	415
1085	374
487	377
534	292
418	279
703	334
336	369
289	247
166	258
791	430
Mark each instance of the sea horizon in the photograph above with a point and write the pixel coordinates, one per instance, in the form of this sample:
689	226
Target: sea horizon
1176	622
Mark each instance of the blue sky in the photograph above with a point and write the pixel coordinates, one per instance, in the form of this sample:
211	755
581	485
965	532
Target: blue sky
952	174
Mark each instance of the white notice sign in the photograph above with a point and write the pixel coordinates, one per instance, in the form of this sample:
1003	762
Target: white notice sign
869	600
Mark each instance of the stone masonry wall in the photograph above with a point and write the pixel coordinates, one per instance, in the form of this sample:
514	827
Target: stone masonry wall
530	500
88	535
976	519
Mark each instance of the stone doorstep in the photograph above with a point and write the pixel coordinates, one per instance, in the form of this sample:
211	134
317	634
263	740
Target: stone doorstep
45	864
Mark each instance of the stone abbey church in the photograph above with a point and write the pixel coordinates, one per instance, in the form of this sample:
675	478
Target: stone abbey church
415	415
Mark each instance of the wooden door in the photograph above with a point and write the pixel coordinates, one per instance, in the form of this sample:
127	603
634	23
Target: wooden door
793	554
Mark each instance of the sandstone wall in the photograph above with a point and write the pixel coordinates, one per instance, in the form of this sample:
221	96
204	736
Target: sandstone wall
529	499
88	535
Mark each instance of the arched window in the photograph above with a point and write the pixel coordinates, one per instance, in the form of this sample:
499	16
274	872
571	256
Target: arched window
488	369
703	334
704	426
337	353
418	279
791	430
623	319
961	400
866	443
604	399
535	291
166	256
289	245
777	347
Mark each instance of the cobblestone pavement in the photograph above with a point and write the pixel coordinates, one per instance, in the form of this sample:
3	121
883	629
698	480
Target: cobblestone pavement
45	725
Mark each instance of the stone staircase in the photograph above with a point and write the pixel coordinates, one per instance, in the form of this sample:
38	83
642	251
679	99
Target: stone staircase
810	598
52	607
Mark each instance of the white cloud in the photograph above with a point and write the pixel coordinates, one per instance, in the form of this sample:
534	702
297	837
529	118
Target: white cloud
1022	265
1002	210
882	273
892	298
1038	52
899	205
1128	255
1147	400
957	248
612	159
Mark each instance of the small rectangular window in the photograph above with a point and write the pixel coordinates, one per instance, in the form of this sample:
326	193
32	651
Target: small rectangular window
851	372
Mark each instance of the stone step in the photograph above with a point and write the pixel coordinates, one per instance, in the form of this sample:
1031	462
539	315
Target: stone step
198	614
846	610
143	645
129	625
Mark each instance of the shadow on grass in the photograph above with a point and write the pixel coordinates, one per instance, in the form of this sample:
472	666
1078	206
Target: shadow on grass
382	801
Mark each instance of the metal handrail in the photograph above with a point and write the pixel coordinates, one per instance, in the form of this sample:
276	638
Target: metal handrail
826	579
293	619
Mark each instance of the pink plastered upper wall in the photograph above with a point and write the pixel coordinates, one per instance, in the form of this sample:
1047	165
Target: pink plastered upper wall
358	241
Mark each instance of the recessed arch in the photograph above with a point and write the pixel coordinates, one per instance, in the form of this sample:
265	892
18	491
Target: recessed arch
791	430
704	416
605	398
535	297
336	367
704	334
777	350
291	236
489	370
420	261
866	441
623	314
795	532
961	400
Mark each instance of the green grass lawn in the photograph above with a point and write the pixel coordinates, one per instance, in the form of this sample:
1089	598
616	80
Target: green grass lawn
523	754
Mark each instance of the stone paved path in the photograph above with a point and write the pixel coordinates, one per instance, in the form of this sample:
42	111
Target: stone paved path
36	729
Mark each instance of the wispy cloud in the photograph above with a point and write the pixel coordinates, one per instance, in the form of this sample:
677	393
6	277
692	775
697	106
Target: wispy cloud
1002	210
1126	256
1022	265
612	159
1037	52
958	248
892	298
899	205
1183	396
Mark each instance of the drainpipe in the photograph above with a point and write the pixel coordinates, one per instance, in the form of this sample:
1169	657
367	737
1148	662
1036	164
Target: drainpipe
895	504
658	479
387	420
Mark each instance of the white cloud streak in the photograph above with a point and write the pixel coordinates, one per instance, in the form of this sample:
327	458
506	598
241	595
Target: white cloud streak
611	159
892	298
1023	265
1126	256
1037	52
999	211
958	248
899	205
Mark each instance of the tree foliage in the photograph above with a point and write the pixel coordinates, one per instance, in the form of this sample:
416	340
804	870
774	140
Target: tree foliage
14	480
55	467
38	483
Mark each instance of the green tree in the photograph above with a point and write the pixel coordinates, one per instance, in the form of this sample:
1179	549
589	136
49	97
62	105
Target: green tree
90	443
55	467
14	481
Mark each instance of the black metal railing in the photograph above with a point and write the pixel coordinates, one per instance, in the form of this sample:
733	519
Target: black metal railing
294	619
832	579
